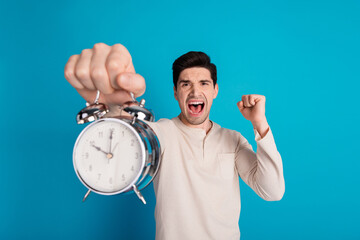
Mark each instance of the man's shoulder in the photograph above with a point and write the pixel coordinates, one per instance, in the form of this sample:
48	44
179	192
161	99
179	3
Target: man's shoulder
162	123
227	131
224	130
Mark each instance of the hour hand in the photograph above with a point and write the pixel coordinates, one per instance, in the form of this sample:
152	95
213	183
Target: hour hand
108	155
98	148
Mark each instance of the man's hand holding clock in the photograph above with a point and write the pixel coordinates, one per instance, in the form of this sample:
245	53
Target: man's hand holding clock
125	140
108	69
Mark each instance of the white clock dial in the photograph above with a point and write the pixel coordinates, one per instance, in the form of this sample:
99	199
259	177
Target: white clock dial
109	156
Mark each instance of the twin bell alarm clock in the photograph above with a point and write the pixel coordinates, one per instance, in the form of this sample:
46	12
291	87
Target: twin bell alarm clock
116	155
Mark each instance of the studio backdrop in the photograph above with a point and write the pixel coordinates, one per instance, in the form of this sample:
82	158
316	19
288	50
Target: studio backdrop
302	55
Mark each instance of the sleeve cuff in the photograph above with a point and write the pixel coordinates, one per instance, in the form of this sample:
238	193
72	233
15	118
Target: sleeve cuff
266	138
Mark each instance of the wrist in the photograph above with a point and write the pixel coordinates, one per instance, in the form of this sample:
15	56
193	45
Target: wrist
262	127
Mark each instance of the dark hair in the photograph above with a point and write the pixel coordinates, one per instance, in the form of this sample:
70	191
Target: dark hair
193	59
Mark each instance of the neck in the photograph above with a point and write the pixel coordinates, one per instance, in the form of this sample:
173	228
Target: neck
206	125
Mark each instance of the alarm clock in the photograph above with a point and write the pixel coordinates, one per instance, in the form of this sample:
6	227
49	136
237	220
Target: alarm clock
119	154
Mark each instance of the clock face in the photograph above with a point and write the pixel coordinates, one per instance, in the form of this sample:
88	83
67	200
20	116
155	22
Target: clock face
109	156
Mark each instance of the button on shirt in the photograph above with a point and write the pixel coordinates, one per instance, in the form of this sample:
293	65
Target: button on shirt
197	186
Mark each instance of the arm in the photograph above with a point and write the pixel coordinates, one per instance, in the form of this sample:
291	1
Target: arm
262	171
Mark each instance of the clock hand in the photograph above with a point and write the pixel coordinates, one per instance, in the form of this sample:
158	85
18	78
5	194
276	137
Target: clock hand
111	137
108	155
98	148
114	147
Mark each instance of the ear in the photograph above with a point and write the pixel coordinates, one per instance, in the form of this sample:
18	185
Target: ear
216	90
175	95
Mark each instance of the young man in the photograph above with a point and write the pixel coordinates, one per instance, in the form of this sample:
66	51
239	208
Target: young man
197	187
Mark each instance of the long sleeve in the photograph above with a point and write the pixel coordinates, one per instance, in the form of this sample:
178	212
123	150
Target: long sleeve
263	170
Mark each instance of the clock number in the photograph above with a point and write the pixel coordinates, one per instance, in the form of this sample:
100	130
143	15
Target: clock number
110	180
99	176
90	168
123	177
132	142
136	155
132	168
86	155
101	134
123	134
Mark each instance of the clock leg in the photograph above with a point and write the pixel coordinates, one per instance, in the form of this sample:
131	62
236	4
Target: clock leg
138	193
86	195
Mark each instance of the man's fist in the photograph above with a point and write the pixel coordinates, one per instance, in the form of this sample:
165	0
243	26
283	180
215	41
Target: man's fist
108	69
252	107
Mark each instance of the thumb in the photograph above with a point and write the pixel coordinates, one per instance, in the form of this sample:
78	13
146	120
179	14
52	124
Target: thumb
240	105
131	82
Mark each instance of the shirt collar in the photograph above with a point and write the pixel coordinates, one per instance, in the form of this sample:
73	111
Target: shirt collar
195	131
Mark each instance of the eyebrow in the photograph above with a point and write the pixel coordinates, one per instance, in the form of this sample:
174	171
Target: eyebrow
188	81
183	81
205	81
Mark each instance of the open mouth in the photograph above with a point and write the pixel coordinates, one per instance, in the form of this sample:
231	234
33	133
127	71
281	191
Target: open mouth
196	106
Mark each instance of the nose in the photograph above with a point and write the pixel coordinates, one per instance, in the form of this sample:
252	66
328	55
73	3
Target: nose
195	90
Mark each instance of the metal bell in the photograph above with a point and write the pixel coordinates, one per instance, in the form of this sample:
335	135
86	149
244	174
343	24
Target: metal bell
91	113
140	112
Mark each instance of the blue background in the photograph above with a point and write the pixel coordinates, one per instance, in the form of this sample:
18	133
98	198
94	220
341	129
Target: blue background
302	55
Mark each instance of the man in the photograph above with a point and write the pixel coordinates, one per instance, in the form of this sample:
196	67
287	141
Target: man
197	188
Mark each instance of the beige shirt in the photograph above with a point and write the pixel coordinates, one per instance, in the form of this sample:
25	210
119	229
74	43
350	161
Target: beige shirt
197	186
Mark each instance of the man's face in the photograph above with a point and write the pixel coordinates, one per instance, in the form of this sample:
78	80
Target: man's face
195	93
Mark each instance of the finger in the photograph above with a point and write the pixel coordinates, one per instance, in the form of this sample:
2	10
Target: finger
131	82
259	98
82	69
69	72
90	95
245	99
240	105
119	97
252	100
98	71
118	61
248	101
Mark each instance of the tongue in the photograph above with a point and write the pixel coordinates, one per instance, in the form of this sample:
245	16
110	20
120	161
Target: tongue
195	109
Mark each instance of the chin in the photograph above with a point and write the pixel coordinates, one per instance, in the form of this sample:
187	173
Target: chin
195	120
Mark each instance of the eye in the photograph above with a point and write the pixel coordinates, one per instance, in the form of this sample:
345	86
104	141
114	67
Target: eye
204	83
184	84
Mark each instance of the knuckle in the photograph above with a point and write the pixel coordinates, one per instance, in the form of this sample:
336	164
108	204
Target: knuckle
119	46
98	73
86	51
73	57
69	73
99	46
82	73
114	64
